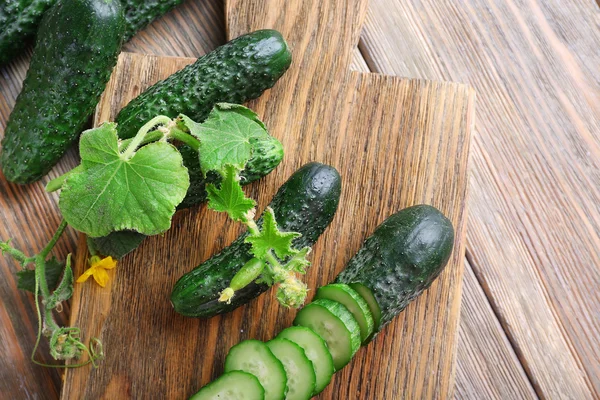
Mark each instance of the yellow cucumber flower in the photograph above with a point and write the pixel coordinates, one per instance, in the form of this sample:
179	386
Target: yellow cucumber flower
98	269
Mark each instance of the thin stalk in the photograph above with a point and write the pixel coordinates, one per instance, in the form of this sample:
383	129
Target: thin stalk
137	140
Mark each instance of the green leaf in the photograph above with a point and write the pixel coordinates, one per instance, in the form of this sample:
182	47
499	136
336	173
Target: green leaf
226	136
114	192
271	238
298	262
118	244
26	278
64	290
229	197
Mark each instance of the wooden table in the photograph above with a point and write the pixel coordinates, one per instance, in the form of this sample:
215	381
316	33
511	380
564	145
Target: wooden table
531	306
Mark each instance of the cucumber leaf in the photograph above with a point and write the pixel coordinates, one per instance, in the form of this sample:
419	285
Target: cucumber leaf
114	192
118	244
54	269
226	136
229	196
271	238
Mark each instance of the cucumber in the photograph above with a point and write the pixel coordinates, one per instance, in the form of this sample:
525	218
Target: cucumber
20	19
255	357
347	296
298	368
401	259
366	294
72	61
234	385
306	203
336	325
233	73
268	153
316	350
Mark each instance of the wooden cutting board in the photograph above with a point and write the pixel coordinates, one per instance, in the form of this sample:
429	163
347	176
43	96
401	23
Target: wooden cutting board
396	142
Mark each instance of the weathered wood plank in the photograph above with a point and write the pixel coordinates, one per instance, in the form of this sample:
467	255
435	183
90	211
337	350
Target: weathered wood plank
534	231
486	366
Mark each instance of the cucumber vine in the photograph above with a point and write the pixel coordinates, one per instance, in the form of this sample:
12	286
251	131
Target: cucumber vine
136	184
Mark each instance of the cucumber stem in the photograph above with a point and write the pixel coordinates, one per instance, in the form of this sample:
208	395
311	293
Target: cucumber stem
57	182
137	140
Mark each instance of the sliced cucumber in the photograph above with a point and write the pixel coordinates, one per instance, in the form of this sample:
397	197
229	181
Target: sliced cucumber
336	325
234	385
366	294
353	301
316	350
300	373
255	357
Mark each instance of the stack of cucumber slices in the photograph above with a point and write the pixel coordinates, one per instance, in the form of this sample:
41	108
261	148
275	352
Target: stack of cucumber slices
301	360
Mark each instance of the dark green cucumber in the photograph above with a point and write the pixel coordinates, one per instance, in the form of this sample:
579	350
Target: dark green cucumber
267	155
306	203
233	73
19	20
401	259
72	61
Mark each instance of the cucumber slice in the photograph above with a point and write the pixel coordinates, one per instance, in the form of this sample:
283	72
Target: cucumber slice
353	301
234	385
316	350
298	368
366	294
336	325
254	357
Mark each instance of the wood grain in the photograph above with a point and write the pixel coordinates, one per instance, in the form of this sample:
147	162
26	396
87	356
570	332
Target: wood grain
338	117
534	231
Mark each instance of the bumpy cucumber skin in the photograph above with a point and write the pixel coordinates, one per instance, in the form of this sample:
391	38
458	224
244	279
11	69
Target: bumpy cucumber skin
77	49
233	73
139	13
306	203
402	258
267	155
20	19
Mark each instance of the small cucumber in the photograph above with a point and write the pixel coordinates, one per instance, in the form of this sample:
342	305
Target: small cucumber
255	357
336	325
298	368
233	73
401	259
234	385
347	296
316	350
77	48
306	203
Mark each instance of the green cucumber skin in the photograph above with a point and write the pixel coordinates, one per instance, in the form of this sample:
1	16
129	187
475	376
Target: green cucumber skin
20	20
72	61
233	73
306	203
402	258
267	155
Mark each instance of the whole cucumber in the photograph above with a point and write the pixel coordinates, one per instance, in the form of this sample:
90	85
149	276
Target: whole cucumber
233	73
400	260
19	20
72	61
306	203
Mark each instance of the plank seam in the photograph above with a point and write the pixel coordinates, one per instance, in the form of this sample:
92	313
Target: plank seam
513	344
